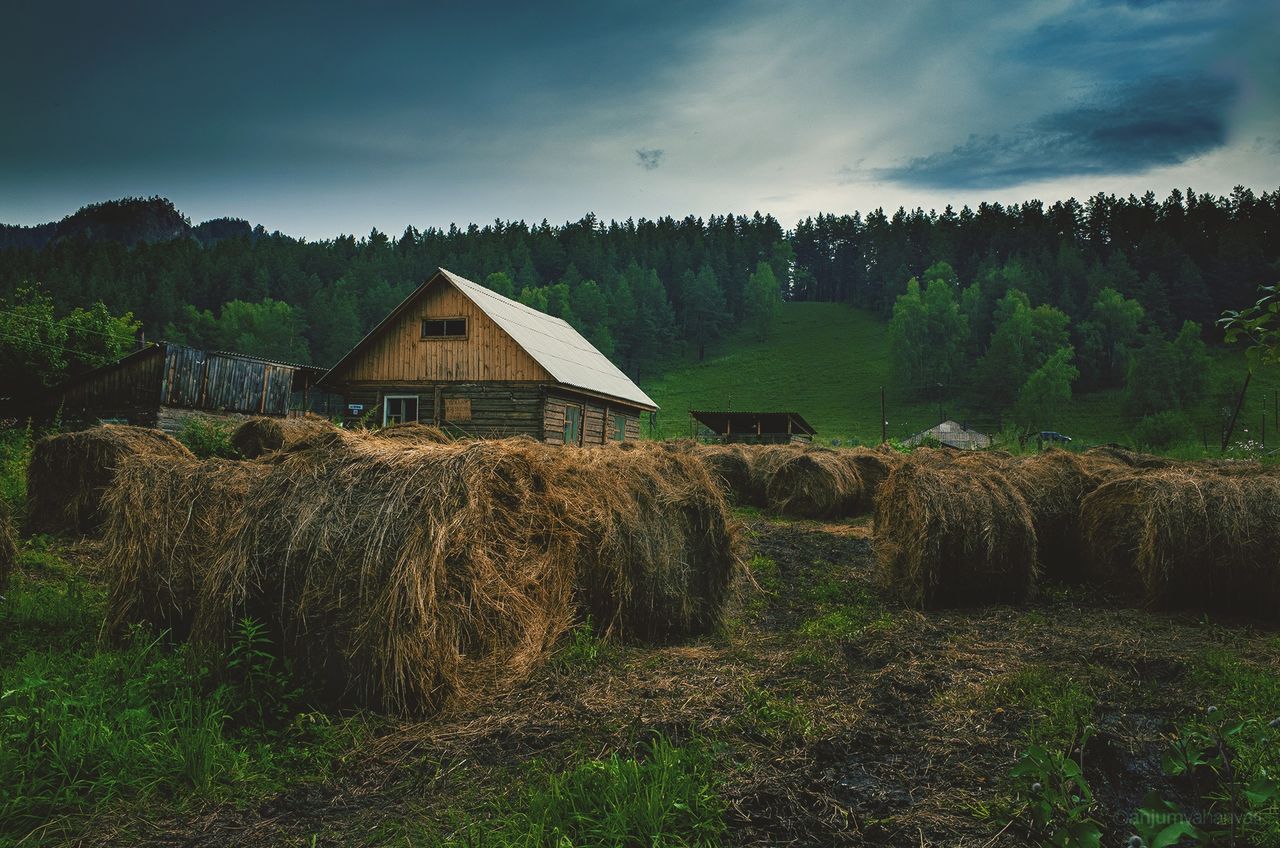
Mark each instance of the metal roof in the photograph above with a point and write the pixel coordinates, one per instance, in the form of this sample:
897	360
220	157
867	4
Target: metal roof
952	434
739	422
554	344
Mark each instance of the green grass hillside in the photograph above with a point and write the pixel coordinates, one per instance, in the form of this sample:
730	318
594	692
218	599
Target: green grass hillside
827	361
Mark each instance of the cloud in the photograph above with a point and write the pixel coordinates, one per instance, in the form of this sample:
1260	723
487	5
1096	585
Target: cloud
1133	128
649	158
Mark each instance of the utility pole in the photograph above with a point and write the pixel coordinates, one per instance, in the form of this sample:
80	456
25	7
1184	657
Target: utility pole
884	423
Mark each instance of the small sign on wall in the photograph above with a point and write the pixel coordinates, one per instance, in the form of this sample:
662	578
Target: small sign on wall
355	408
457	409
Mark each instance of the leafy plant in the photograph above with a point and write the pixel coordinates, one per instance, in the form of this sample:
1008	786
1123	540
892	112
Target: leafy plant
583	650
1057	798
1204	753
207	438
258	686
1258	324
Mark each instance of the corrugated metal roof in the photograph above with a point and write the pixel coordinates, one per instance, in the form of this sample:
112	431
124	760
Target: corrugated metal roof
554	344
952	434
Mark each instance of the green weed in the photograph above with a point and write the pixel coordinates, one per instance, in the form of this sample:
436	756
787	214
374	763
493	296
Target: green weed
1058	706
206	437
663	796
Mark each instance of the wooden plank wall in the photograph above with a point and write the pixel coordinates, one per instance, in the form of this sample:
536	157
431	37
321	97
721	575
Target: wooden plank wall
131	387
497	409
197	379
597	419
399	354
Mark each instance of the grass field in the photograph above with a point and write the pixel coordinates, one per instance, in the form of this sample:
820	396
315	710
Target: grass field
828	362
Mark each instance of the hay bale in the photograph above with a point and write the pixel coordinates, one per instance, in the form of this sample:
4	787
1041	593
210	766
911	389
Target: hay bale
1189	538
731	466
945	536
260	436
659	545
70	472
412	577
407	577
874	467
166	520
1132	459
815	484
764	461
1054	484
419	434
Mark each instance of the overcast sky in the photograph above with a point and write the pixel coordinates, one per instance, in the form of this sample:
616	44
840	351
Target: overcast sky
329	118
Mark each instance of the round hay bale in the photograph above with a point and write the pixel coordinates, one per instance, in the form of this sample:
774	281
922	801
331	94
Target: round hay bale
406	577
260	436
874	467
659	545
730	465
166	519
945	536
1054	484
816	484
1189	538
764	460
70	472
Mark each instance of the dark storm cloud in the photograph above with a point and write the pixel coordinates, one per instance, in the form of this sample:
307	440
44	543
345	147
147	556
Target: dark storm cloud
650	158
332	89
1135	128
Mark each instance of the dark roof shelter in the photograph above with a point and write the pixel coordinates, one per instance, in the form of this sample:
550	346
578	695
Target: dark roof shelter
763	427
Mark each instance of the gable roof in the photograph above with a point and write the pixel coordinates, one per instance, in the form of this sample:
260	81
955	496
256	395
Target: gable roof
952	434
555	345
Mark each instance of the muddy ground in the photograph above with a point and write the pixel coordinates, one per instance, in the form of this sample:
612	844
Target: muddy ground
838	717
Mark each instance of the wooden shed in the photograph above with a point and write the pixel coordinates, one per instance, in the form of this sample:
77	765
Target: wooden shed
758	427
162	385
464	358
951	434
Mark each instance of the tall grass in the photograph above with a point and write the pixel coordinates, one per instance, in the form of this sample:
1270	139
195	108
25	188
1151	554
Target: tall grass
85	729
663	796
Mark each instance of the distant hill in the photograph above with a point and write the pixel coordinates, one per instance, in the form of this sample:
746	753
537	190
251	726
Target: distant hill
129	221
827	361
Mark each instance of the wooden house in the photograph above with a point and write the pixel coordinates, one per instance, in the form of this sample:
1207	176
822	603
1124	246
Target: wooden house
757	427
163	385
464	358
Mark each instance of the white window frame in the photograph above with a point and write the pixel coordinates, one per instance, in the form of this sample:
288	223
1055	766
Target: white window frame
386	407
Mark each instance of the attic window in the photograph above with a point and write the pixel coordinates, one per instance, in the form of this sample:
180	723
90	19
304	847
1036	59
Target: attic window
444	328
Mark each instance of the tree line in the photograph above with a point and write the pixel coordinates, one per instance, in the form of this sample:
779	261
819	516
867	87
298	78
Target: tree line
1106	279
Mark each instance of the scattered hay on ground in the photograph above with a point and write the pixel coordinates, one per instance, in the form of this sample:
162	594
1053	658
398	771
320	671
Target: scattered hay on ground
166	520
259	436
816	484
70	472
1189	538
660	547
945	536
